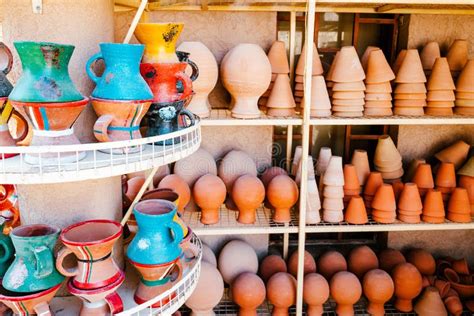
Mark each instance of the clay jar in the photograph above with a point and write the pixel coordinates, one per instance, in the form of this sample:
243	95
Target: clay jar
378	288
346	291
407	280
270	265
430	303
330	263
246	73
309	263
271	173
248	193
178	185
315	293
209	194
248	291
235	258
208	292
196	165
281	292
282	193
422	260
361	260
390	258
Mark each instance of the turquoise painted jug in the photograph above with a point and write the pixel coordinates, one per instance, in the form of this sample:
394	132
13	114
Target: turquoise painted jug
34	266
7	251
158	237
45	76
121	79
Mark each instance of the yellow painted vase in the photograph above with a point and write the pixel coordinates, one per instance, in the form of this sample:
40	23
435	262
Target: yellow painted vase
160	41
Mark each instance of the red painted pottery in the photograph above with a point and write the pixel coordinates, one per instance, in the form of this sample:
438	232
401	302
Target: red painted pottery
178	185
281	292
331	262
235	258
248	291
309	263
378	288
346	291
422	260
390	258
209	194
315	293
270	265
91	242
361	260
282	193
430	303
407	280
6	138
248	194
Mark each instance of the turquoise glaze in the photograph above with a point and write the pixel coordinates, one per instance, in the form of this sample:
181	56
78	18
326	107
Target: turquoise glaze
158	238
7	251
121	79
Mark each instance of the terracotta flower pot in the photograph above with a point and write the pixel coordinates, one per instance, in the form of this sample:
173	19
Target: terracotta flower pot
407	281
433	206
464	82
178	185
348	86
351	180
309	263
280	101
386	151
278	59
410	88
346	290
440	95
422	260
398	62
317	66
446	175
458	55
456	153
453	305
384	199
378	288
374	181
459	202
270	265
282	193
365	56
468	168
331	262
429	54
383	87
347	66
319	97
281	292
397	189
410	199
423	178
467	183
378	69
356	212
430	303
411	68
315	293
333	192
334	174
235	258
209	194
196	165
248	291
361	162
390	258
440	78
361	260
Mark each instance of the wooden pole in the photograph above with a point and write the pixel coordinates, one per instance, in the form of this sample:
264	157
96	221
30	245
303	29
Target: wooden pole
135	21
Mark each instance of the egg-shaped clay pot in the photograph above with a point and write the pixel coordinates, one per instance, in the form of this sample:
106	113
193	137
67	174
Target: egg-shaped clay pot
282	193
271	173
248	193
209	193
315	293
208	292
331	262
236	257
346	291
270	265
208	255
389	258
378	288
178	185
408	284
422	260
246	73
248	291
281	292
361	260
309	263
194	166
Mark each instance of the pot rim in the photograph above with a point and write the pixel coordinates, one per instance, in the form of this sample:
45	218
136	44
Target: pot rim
76	291
30	296
116	235
52	230
77	103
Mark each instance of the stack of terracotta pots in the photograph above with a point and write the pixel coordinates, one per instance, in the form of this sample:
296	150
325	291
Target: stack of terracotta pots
428	56
387	159
465	90
378	90
300	70
410	92
446	179
360	160
409	205
456	153
457	56
459	207
398	62
351	183
466	180
329	81
374	181
440	90
384	205
320	103
423	178
333	191
433	207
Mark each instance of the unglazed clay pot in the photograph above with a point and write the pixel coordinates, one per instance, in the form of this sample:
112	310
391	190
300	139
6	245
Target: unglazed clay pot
348	67
433	207
378	69
270	265
278	58
346	291
390	258
422	260
458	55
315	293
209	194
423	178
459	209
430	303
208	292
281	292
317	66
178	185
281	102
456	153
235	258
411	69
461	266
208	255
378	288
282	193
356	212
271	173
407	280
453	305
246	73
374	181
309	263
331	262
194	166
429	54
248	193
248	291
446	175
361	162
207	79
361	260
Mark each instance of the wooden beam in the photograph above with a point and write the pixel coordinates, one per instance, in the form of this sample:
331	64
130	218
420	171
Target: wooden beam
128	3
204	5
387	8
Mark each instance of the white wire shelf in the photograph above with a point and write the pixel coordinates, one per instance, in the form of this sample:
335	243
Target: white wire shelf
222	117
171	300
229	225
395	120
99	162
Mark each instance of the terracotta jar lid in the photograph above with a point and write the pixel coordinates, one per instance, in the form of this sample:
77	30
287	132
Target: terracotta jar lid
389	258
411	69
331	262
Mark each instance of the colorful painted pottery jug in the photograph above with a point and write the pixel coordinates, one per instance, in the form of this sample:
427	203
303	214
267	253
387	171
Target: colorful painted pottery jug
9	207
30	303
45	76
119	120
158	238
160	41
6	138
5	86
121	79
91	242
8	252
33	268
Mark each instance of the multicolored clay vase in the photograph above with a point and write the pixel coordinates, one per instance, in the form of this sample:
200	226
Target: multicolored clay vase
5	86
91	242
6	139
33	268
121	79
160	41
8	252
45	76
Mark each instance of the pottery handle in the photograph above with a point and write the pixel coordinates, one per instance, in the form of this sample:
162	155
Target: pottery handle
9	65
16	217
7	247
177	233
190	115
115	303
24	132
195	69
187	85
42	309
44	261
62	254
101	128
89	64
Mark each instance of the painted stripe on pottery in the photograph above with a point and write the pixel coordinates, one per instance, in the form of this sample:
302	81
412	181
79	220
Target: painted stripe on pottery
33	117
89	265
85	255
44	115
137	109
97	132
123	128
155	282
25	309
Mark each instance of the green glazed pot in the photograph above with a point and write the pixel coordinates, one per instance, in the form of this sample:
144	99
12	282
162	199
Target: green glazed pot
34	266
45	76
7	251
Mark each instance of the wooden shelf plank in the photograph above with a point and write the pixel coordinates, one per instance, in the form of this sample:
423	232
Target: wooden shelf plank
222	117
